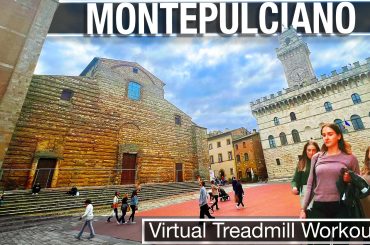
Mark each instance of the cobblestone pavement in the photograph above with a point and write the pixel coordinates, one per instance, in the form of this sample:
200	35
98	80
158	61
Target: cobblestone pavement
62	230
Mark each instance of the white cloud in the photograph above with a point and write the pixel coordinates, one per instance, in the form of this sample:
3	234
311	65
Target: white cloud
343	52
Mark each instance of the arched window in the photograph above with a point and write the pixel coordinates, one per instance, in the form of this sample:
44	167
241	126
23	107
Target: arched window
339	122
292	116
272	141
237	158
357	122
328	106
236	146
246	157
356	98
276	121
134	91
295	135
283	139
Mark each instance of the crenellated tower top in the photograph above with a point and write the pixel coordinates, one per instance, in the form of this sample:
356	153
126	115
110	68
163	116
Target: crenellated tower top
295	57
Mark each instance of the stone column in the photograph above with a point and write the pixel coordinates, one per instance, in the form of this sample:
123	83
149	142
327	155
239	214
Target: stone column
24	26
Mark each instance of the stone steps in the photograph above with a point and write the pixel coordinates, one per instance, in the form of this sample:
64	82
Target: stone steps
21	209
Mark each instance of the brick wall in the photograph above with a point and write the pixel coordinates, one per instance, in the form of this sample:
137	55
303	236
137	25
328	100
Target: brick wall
100	123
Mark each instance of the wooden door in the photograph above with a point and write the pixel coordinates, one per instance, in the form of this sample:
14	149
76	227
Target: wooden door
45	171
128	169
179	177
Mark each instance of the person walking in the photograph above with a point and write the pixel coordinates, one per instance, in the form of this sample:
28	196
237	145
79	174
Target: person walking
204	209
214	189
326	168
365	173
124	207
299	181
133	205
239	193
114	208
89	216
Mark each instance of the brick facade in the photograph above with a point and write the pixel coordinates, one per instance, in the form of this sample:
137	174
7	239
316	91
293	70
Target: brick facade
249	150
90	134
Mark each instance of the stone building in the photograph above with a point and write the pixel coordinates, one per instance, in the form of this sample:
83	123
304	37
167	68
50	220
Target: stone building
249	155
110	125
289	118
221	152
23	28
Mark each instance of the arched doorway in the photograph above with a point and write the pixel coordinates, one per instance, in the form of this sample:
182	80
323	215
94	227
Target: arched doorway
221	173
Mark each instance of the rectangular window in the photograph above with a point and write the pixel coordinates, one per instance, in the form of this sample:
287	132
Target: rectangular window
178	120
219	144
228	141
230	155
246	157
210	147
211	159
67	94
220	157
134	91
231	171
277	161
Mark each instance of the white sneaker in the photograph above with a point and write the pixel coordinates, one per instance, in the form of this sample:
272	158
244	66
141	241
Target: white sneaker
118	223
133	222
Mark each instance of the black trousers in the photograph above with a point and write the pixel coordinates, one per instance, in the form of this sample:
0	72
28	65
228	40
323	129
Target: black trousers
116	214
328	210
215	197
204	210
240	200
132	216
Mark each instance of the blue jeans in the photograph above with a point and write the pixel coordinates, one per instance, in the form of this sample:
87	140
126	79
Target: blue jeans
91	228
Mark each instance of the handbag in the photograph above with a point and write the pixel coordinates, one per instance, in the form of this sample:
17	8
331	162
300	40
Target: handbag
128	208
114	205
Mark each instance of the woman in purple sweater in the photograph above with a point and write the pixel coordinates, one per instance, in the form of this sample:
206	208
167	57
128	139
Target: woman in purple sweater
325	170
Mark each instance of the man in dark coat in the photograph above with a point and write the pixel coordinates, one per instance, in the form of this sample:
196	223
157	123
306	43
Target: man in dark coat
239	192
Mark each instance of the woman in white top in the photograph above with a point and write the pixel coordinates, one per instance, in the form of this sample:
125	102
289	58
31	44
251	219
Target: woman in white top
115	208
89	216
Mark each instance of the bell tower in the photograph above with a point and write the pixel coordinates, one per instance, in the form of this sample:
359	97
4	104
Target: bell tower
295	57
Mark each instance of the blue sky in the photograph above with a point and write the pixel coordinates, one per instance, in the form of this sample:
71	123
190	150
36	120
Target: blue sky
212	79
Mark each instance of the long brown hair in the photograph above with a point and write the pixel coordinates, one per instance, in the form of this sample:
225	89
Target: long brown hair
366	169
342	144
303	161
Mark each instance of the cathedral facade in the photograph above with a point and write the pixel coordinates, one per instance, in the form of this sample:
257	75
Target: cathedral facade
288	119
110	125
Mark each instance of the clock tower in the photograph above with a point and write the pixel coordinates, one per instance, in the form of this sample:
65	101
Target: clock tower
295	56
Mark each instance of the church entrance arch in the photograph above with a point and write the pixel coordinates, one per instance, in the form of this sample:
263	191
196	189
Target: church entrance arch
45	172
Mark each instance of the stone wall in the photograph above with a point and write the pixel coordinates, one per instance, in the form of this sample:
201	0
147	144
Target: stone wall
24	25
311	114
89	133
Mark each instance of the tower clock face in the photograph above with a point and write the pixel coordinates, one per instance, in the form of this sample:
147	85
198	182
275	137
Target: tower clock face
297	74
